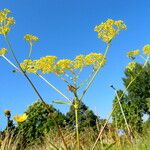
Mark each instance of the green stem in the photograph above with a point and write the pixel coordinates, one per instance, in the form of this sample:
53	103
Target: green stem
77	124
30	50
26	76
96	72
29	56
122	111
34	88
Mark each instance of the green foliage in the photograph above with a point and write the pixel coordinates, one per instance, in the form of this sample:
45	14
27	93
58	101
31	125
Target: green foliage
139	90
146	127
86	116
135	101
39	121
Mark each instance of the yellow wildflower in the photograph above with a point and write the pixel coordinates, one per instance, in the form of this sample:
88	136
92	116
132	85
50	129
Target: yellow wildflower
95	59
7	11
133	53
5	21
46	64
4	30
3	51
29	65
146	49
10	21
21	118
120	25
63	65
109	29
31	38
79	62
131	66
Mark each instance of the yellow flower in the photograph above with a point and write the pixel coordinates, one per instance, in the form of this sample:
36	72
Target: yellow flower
131	66
79	62
63	65
7	11
31	38
3	51
10	21
133	53
46	64
29	65
109	29
146	49
21	118
120	25
95	59
4	30
5	21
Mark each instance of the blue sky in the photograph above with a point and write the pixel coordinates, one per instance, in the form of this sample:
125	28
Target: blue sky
65	29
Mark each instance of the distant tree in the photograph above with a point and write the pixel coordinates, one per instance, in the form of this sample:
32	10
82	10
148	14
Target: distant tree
132	114
139	90
135	102
39	121
87	118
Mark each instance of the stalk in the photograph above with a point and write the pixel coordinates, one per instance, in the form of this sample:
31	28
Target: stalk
34	88
129	131
76	107
77	129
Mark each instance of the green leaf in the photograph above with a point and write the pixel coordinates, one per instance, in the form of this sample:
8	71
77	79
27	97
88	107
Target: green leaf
61	102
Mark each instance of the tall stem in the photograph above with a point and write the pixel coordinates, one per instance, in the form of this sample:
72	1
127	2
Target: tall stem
129	131
23	72
77	129
76	106
34	88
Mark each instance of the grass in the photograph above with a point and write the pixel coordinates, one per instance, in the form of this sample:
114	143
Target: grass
52	141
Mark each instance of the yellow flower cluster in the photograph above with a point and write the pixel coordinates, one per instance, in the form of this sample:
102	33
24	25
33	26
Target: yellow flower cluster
21	118
5	21
95	59
146	49
63	65
131	66
133	53
79	62
31	38
29	66
109	29
48	64
3	51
